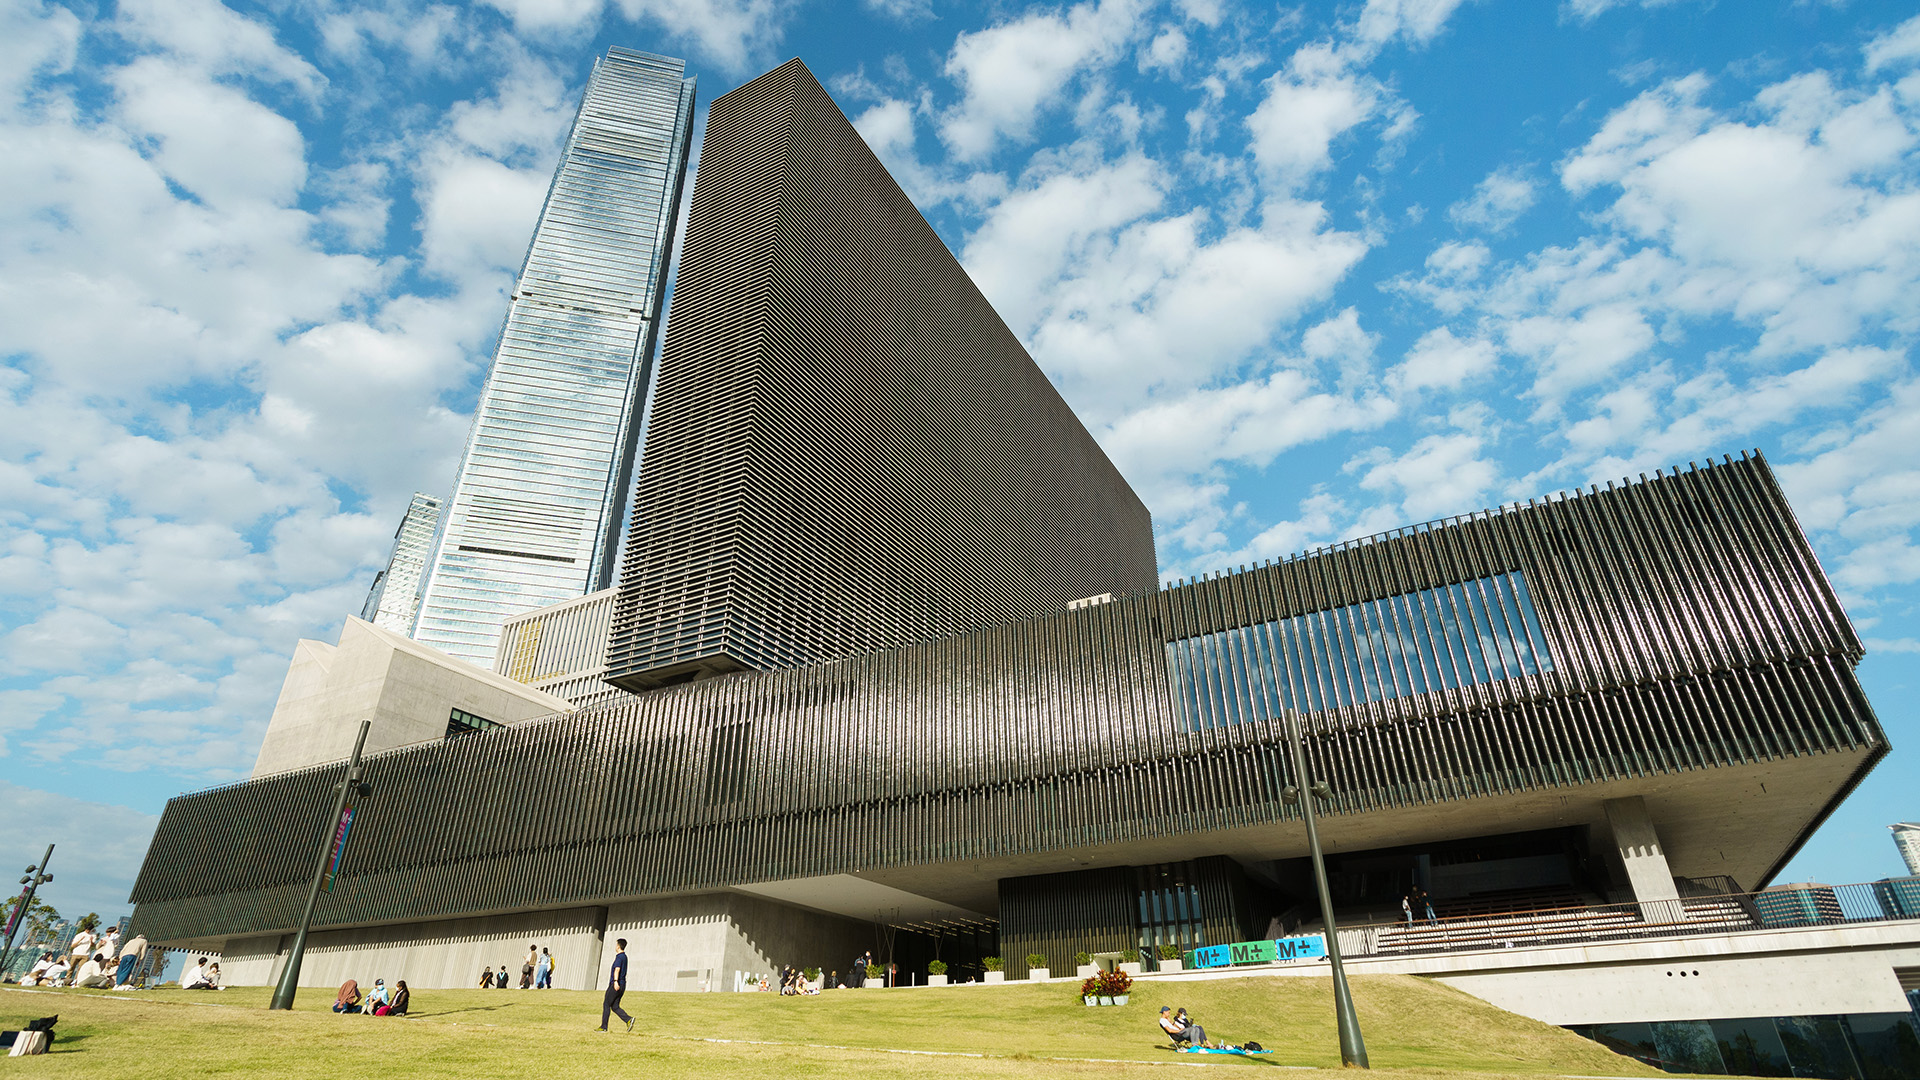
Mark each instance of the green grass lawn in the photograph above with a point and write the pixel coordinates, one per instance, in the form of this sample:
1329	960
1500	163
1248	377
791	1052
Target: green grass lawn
1413	1028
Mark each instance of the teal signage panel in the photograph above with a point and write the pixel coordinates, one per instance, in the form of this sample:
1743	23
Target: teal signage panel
1258	952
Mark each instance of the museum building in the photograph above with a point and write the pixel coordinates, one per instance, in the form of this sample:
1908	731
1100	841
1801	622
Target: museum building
888	668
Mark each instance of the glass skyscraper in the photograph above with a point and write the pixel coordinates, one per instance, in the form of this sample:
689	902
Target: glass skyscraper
395	595
536	509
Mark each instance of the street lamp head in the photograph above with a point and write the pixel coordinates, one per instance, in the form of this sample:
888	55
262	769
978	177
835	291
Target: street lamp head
1290	795
28	880
365	789
44	878
1321	789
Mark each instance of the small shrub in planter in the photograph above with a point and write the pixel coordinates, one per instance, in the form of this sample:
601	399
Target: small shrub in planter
937	967
812	974
1036	960
1106	988
1168	952
1081	959
992	963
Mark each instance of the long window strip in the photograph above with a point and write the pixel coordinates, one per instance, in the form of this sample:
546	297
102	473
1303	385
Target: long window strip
1501	661
1487	629
1286	684
1270	702
1468	630
1392	663
1516	622
1313	651
1233	666
1507	631
1406	628
1537	637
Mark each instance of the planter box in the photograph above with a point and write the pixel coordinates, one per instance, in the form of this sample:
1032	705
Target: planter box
1039	974
996	976
936	980
1171	965
1091	1001
1087	971
1131	969
1120	999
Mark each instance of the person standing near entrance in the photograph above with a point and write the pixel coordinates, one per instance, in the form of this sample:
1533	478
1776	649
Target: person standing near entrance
616	986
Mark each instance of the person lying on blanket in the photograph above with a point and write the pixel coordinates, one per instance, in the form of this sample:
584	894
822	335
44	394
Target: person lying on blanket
1180	1028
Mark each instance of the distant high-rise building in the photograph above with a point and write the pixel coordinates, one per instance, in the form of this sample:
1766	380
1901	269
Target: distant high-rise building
1906	836
395	595
849	449
534	517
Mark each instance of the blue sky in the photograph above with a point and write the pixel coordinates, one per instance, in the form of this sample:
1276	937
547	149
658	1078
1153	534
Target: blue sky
1307	272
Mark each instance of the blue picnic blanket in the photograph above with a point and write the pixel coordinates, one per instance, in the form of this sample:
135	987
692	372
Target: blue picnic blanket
1222	1050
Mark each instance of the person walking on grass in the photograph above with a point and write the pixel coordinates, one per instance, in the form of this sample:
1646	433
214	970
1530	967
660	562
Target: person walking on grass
616	986
542	971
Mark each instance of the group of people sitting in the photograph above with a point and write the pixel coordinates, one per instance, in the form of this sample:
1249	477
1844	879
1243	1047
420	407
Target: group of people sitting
89	962
380	1001
201	976
793	982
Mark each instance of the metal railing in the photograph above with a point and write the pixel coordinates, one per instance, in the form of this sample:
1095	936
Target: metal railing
1697	911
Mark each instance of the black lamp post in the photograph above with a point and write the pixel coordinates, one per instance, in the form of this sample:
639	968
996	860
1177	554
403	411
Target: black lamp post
348	787
36	877
1353	1049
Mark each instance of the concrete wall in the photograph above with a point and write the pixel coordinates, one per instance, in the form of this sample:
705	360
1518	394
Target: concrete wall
434	955
405	688
1786	972
713	940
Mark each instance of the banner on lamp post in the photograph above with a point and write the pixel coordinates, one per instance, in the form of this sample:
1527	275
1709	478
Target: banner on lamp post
339	847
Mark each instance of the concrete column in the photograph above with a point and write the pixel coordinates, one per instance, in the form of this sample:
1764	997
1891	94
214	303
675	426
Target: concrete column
1643	859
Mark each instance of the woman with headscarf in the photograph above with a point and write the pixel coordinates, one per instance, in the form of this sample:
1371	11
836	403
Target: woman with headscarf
348	999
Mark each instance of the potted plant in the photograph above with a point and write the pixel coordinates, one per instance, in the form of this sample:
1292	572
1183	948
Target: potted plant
1170	958
937	973
812	975
1106	988
1116	985
1083	965
1037	970
994	964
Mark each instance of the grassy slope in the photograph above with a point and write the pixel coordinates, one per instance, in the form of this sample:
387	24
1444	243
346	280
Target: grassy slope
1413	1028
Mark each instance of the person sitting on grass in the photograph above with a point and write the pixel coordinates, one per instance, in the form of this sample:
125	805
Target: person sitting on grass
39	971
55	975
198	977
1180	1028
376	999
348	999
93	974
397	1006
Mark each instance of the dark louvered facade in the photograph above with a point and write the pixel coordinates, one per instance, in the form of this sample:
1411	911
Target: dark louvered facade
848	450
1672	640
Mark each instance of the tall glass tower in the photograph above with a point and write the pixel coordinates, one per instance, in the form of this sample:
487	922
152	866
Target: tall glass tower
395	595
535	514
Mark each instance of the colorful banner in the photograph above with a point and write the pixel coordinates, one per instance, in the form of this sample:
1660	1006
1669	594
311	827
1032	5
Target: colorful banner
19	909
1310	947
339	847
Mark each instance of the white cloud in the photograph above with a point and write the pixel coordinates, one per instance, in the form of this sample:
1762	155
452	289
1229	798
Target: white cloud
1587	10
1900	45
1010	71
1441	361
1166	52
1496	203
1441	475
1308	105
1418	21
217	40
35	39
98	848
902	10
